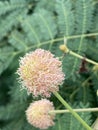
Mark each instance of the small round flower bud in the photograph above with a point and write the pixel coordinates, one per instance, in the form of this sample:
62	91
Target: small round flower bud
63	48
38	114
40	72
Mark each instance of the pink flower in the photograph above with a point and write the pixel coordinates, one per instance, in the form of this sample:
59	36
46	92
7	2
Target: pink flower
40	72
38	114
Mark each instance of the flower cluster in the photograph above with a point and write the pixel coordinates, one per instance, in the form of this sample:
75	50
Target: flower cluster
38	114
40	72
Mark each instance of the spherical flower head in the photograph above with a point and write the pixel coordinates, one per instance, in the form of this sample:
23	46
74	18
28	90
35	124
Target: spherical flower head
38	114
40	72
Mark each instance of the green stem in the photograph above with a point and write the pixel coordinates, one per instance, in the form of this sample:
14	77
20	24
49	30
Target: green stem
73	94
72	111
81	57
76	110
83	35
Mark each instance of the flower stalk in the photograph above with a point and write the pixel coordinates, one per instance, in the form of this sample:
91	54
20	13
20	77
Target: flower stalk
72	111
76	110
81	57
66	50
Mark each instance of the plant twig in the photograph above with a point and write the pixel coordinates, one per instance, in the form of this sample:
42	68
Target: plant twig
76	110
81	57
72	111
66	50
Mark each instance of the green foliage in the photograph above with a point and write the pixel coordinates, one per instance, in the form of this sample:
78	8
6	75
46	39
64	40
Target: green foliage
18	40
83	15
65	23
5	53
95	84
48	5
15	90
29	24
33	28
9	22
6	6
